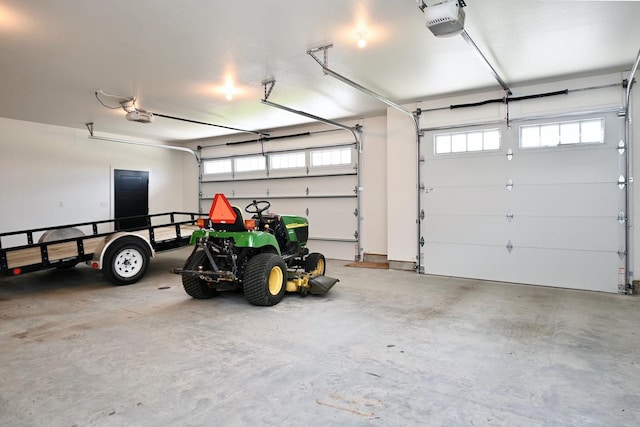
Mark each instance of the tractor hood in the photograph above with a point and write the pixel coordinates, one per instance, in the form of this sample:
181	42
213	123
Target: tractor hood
297	228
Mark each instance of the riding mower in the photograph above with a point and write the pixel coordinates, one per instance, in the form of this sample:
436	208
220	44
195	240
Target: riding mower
263	256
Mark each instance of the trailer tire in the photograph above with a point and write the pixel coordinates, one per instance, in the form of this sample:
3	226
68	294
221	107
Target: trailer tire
265	279
194	286
126	261
315	264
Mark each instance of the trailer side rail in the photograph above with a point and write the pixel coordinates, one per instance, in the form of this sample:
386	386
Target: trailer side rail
164	231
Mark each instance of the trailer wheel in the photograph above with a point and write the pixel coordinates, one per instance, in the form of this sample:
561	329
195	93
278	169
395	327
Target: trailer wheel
265	279
315	264
193	286
126	261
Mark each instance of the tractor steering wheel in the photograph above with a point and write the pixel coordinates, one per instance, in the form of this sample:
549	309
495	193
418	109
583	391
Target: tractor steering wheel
257	207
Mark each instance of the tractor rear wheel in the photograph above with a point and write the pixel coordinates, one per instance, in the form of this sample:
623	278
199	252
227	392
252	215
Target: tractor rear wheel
194	286
315	264
265	279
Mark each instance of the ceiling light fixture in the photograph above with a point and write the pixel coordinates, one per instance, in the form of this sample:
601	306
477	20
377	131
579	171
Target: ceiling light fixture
362	39
229	89
129	105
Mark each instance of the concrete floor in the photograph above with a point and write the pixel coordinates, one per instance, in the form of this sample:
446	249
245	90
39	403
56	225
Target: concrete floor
383	348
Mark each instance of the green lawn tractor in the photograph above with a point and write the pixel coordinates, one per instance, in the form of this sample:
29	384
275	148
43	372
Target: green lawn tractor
263	256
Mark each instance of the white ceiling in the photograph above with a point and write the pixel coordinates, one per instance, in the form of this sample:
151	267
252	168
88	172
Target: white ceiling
175	55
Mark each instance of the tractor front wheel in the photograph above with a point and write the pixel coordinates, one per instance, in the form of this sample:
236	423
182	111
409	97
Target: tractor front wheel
194	286
315	264
265	279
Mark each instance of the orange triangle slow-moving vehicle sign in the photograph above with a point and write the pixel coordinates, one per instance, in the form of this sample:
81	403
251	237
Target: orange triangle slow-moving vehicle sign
221	211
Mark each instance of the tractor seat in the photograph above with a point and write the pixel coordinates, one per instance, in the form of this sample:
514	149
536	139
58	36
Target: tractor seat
238	225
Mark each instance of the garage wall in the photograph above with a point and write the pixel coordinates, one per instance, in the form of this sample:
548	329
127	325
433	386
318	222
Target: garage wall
402	176
375	192
51	175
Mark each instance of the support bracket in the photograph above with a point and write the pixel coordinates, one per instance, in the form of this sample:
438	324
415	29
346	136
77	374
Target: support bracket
268	87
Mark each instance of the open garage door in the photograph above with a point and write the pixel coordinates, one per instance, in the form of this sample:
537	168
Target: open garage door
539	202
319	183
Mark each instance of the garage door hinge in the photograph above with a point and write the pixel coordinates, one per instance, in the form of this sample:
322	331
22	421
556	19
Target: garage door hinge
621	182
622	217
421	241
422	214
306	191
621	147
510	185
509	215
509	246
355	212
355	234
509	154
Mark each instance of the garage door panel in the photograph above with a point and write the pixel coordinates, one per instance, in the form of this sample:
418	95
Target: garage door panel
467	229
565	200
328	218
479	262
571	233
333	251
332	218
560	268
565	165
462	171
308	186
481	200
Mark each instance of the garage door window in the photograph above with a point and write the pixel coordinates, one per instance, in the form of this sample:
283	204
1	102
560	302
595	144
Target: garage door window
331	157
562	133
287	160
250	164
463	142
214	167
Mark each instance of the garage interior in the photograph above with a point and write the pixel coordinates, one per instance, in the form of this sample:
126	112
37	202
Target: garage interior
483	167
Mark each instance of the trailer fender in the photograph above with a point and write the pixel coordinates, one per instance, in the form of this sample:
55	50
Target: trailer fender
111	246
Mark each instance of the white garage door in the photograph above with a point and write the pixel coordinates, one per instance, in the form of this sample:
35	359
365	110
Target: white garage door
317	183
537	203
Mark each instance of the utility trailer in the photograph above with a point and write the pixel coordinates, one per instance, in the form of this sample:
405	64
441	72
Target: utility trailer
121	254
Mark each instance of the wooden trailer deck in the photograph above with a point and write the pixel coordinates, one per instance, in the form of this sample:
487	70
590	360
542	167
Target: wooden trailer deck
66	250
